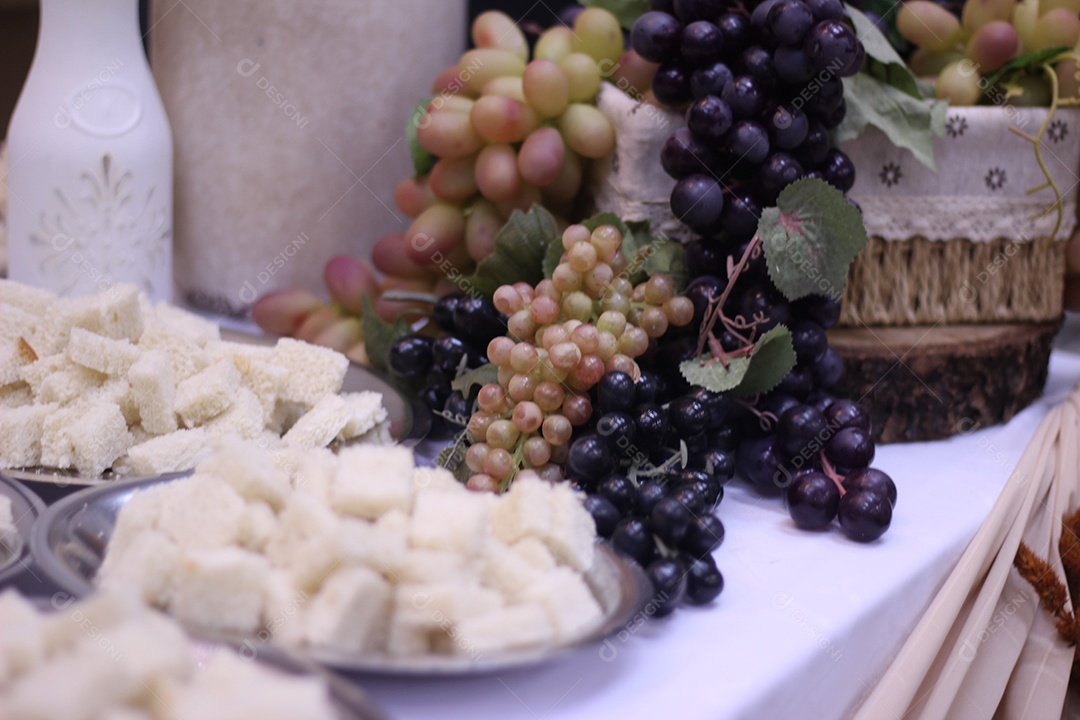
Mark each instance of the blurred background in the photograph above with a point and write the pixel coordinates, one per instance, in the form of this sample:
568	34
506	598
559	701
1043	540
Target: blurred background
19	22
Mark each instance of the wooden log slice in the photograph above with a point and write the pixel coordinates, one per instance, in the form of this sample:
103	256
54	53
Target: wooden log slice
931	382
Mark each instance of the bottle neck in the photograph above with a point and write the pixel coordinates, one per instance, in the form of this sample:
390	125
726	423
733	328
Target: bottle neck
91	33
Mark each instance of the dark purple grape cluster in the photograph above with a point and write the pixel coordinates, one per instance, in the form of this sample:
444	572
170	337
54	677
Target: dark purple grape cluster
661	514
432	363
761	92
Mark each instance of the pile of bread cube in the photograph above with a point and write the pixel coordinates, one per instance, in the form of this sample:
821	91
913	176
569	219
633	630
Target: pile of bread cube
359	552
111	381
113	658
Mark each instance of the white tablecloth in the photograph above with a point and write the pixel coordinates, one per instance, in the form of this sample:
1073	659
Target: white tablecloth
806	623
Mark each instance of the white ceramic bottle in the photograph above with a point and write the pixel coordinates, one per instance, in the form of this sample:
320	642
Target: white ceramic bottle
91	157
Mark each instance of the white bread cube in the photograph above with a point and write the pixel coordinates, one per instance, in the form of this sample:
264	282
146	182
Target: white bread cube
26	297
173	452
208	393
115	313
314	371
265	379
573	536
153	384
201	512
437	479
285	414
319	426
378	435
350	612
241	353
21	429
304	517
258	525
138	515
365	412
407	636
16	323
118	390
372	480
244	418
96	352
569	602
22	643
249	470
148	564
524	510
507	571
197	329
57	379
65	631
517	626
16	395
315	472
536	553
452	521
422	565
381	546
186	356
222	589
14	356
88	436
284	612
90	684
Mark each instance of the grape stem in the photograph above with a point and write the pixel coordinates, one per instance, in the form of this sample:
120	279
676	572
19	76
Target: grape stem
765	418
831	473
739	324
517	460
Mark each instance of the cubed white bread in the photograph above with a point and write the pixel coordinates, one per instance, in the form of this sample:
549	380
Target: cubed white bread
288	460
350	612
257	526
422	565
315	558
97	352
148	646
381	546
569	602
408	635
244	418
525	510
241	353
315	472
449	604
507	571
230	688
16	323
365	412
195	328
437	479
66	630
573	534
16	395
536	553
185	355
138	515
51	335
207	393
173	452
26	297
148	564
57	379
313	371
10	542
153	384
264	379
115	313
452	521
90	684
372	480
222	589
303	517
285	415
248	469
22	642
516	626
284	612
201	512
320	425
88	436
21	429
14	356
378	435
118	390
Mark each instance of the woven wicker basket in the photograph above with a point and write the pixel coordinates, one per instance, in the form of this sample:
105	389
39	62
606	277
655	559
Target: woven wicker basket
967	244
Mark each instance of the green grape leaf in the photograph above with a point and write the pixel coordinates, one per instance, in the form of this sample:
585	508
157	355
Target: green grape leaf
379	335
520	247
1026	61
422	160
907	122
625	11
452	458
486	373
553	255
882	60
810	239
886	10
704	372
771	359
668	258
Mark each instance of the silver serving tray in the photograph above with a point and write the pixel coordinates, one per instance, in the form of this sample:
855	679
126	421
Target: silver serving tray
69	543
410	420
26	507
